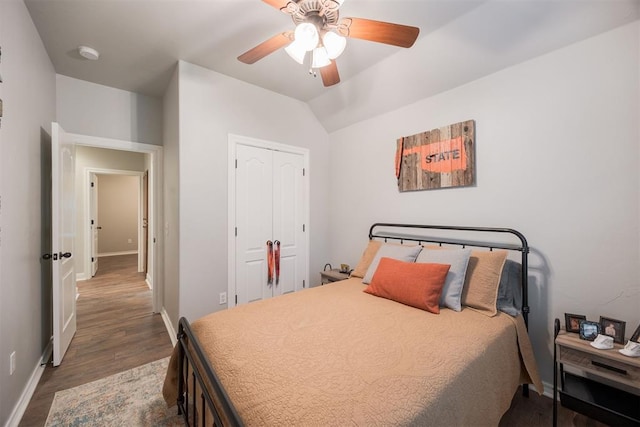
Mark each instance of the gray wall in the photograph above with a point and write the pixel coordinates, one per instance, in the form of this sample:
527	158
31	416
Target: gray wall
28	94
171	208
211	106
96	110
557	157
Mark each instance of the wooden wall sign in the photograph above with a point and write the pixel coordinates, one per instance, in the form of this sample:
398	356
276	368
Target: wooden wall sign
439	158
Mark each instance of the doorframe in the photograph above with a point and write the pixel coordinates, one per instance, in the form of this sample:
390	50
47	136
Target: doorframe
233	141
156	249
87	209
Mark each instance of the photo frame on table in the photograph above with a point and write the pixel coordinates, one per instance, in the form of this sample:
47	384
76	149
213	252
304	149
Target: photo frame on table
572	322
613	328
636	335
589	330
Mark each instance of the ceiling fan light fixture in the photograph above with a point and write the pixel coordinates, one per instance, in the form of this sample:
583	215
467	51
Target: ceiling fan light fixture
306	35
334	43
296	51
320	57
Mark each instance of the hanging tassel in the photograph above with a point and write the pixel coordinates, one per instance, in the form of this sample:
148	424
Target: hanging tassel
269	262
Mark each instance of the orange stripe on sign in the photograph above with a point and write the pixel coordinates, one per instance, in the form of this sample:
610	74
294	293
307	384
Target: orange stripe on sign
442	156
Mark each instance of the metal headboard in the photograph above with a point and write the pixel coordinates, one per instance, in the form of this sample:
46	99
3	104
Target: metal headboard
523	247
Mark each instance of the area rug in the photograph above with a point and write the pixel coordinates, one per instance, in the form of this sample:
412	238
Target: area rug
129	398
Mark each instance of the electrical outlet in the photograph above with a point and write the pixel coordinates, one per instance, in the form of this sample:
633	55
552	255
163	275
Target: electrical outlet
12	363
129	241
223	297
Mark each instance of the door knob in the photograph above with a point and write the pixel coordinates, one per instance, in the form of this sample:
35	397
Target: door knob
65	255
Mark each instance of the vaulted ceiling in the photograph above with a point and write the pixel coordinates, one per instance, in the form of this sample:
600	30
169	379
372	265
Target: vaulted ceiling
140	42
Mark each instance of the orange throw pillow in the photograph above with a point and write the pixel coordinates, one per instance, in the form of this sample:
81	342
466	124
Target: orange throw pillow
416	284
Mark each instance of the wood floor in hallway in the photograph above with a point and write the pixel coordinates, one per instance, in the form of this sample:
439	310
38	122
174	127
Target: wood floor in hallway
117	330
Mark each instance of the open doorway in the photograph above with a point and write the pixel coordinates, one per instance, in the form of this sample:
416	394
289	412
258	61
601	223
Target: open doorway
101	156
116	217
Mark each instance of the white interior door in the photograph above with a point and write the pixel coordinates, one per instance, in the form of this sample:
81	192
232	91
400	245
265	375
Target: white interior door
93	222
63	235
254	219
288	220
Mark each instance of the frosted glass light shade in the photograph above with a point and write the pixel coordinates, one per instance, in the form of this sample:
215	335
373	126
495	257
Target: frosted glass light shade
320	58
296	51
307	36
334	43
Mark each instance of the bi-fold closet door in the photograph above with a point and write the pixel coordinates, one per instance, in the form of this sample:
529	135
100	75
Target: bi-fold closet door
270	207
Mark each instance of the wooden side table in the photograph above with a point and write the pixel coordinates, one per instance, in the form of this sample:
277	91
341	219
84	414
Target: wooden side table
334	275
602	384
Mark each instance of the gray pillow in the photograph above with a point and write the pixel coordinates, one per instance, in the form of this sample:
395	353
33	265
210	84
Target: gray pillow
510	289
458	259
402	253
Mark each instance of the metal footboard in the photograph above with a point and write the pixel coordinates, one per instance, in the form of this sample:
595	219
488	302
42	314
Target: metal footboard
195	378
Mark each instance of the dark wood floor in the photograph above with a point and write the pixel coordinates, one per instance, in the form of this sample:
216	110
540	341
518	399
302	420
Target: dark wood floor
116	331
536	410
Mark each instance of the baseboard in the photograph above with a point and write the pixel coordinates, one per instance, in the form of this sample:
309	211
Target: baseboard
27	393
147	280
548	390
80	277
117	253
169	326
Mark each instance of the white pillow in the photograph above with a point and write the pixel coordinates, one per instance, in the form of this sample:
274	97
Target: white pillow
402	253
458	259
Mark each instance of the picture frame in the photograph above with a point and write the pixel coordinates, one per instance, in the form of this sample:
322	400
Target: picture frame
636	335
613	328
589	330
572	322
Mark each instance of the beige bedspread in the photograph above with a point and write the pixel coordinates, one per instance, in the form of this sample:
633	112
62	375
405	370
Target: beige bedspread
334	355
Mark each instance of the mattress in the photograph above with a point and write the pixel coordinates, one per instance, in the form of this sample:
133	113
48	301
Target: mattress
334	355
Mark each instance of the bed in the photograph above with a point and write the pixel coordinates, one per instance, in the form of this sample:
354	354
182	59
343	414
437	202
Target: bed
335	355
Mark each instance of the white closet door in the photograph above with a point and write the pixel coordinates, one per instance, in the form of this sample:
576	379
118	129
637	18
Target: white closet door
288	219
254	222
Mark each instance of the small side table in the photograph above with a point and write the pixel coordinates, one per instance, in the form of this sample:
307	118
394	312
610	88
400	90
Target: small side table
333	275
585	391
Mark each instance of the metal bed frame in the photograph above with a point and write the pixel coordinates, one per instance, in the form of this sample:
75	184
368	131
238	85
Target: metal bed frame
194	368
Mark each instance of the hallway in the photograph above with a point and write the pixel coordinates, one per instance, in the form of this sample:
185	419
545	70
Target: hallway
117	330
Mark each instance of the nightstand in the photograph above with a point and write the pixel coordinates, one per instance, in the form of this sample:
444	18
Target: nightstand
328	276
602	384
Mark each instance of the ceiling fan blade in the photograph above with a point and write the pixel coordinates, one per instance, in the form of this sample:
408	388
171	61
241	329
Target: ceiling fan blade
330	74
278	4
265	48
378	31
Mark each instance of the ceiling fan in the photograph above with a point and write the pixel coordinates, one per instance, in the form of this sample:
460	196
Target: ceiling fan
320	30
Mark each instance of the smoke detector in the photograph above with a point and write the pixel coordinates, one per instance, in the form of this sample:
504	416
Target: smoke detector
88	52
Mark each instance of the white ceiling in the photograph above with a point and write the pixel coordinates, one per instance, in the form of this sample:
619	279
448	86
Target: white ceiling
140	42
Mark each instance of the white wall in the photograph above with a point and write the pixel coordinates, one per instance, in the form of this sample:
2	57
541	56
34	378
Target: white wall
96	110
97	158
28	95
557	153
212	106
